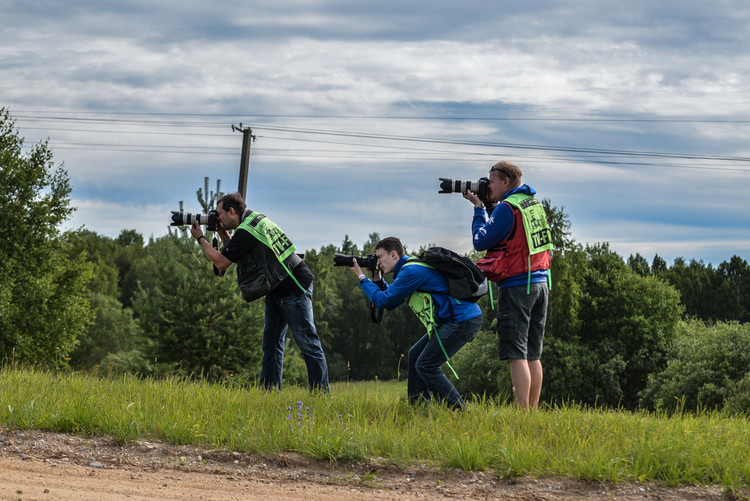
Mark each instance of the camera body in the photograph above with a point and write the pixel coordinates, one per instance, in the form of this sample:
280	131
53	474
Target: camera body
210	220
369	261
480	187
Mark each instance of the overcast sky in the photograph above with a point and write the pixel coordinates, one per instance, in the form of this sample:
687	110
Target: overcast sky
634	117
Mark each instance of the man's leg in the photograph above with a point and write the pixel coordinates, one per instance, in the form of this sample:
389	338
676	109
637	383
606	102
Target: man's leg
521	377
536	342
535	389
298	312
416	391
452	336
527	382
274	337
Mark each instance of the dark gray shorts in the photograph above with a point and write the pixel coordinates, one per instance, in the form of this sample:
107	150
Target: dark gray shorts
520	321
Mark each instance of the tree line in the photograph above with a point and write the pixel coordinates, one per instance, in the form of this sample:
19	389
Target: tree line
620	333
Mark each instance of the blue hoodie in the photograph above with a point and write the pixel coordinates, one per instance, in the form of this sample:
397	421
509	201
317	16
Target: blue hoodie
487	233
423	279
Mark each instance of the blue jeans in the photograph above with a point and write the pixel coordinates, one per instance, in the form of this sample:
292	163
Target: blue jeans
294	311
425	379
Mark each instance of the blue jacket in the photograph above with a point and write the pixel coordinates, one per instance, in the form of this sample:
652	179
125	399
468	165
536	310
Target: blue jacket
419	278
487	232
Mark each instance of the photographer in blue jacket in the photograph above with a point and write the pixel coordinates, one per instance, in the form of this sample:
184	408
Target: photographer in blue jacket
451	323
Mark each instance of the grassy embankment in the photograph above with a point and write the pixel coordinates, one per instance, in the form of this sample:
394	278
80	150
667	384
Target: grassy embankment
357	421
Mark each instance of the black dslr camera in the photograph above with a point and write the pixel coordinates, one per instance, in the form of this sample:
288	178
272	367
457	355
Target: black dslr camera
369	261
480	187
210	220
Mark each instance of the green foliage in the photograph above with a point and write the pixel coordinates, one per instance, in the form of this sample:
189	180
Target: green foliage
99	251
480	371
568	259
709	369
737	274
629	320
120	265
607	329
198	323
639	265
711	294
113	330
705	293
42	305
134	361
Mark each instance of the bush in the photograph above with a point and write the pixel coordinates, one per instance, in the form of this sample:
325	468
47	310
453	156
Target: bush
479	370
709	369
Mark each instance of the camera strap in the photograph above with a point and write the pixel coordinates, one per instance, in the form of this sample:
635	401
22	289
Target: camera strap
215	245
377	314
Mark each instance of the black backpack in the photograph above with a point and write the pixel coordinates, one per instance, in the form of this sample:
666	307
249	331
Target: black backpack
465	280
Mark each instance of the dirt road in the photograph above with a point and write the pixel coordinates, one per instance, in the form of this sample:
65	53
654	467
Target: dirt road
51	466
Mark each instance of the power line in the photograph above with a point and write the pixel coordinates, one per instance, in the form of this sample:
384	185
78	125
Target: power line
568	149
240	116
379	141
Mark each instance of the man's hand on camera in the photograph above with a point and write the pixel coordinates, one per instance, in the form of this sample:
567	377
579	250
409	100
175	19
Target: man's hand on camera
223	233
195	230
355	268
473	198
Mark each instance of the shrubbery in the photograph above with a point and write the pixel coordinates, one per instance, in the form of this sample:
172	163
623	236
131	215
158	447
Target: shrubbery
709	368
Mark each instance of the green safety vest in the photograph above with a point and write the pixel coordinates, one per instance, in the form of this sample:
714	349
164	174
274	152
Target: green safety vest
423	306
536	227
269	234
256	274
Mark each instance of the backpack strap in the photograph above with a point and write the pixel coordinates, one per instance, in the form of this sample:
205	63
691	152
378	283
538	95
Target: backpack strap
423	306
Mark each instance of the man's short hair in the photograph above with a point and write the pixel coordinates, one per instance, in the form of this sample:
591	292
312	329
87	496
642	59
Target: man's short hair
389	244
508	170
232	201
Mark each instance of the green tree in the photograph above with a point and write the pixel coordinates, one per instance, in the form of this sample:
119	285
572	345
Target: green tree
639	265
709	369
43	309
737	274
121	265
134	264
627	322
99	251
704	292
112	331
658	264
197	323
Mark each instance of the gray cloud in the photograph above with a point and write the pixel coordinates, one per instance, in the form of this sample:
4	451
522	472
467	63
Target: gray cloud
531	66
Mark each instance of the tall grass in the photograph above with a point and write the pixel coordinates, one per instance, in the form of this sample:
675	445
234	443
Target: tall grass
360	421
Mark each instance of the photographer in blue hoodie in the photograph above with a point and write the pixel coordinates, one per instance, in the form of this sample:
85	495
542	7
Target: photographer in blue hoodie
517	239
455	322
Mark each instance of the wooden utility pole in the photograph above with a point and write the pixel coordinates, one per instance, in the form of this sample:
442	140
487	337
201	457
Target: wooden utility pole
247	139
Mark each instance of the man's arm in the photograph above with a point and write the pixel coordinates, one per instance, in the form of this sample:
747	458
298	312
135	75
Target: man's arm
220	260
487	233
394	294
